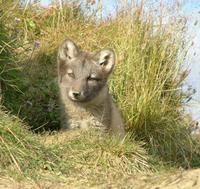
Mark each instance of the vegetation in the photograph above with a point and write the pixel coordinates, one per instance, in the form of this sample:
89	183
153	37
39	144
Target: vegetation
146	85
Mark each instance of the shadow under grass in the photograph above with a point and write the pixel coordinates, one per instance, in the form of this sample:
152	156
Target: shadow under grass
36	99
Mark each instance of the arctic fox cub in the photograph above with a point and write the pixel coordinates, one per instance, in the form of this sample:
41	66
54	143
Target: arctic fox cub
84	95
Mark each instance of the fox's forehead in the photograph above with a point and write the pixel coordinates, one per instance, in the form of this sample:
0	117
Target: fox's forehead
84	65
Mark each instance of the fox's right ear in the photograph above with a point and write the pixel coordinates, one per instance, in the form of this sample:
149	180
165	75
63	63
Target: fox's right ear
67	50
106	59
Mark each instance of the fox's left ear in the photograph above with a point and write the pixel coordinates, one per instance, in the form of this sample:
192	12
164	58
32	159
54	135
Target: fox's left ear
67	50
106	59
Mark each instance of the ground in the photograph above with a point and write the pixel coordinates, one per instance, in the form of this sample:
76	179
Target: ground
182	180
173	179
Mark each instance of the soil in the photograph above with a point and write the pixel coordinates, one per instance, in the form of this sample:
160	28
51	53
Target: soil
189	179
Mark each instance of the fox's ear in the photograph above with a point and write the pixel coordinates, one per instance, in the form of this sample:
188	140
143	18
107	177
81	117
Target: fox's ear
67	50
106	59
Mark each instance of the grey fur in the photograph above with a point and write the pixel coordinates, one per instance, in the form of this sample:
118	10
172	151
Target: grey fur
84	95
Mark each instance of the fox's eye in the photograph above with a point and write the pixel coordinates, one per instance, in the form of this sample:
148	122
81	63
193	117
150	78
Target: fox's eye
70	74
93	78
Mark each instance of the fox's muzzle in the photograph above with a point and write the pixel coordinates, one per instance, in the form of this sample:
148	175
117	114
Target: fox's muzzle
78	91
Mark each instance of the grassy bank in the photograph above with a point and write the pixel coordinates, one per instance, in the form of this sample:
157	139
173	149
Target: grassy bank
67	157
146	85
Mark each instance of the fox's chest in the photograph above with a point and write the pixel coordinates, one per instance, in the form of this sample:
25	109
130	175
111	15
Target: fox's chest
91	122
79	117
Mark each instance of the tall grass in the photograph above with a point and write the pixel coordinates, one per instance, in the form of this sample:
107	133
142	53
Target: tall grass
146	83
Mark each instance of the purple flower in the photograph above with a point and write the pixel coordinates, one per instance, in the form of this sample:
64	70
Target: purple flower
36	44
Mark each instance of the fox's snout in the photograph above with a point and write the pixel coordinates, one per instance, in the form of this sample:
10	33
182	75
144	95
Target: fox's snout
76	95
78	90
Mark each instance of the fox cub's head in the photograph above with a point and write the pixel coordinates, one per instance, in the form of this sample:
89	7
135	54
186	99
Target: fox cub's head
82	75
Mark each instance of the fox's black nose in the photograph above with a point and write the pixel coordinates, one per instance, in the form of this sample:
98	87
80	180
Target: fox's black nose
76	94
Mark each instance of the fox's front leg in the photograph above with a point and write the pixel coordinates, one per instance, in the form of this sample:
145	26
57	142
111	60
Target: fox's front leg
117	125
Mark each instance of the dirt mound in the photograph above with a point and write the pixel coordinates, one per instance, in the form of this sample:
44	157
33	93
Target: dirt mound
181	180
